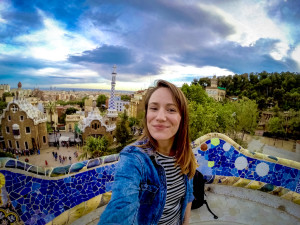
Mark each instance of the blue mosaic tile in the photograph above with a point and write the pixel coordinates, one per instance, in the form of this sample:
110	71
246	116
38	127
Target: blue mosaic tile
223	159
39	201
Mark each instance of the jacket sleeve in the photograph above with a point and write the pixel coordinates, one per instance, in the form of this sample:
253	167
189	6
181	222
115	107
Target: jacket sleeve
124	204
190	195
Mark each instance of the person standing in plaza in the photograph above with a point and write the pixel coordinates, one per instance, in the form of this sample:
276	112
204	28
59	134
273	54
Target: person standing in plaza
153	180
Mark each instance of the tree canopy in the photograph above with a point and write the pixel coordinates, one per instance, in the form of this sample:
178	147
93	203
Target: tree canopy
94	147
208	115
101	100
267	89
70	111
125	97
122	130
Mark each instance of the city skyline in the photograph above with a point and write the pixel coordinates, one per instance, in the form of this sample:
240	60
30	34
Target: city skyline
74	44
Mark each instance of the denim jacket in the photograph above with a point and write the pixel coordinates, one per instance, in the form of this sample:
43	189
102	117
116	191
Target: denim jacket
140	189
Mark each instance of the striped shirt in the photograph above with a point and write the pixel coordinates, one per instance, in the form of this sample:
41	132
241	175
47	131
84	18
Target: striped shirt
175	190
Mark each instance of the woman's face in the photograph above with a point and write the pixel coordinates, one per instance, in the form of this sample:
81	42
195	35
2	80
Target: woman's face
163	117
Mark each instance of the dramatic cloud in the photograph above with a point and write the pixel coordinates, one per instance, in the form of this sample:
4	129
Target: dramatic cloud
63	43
106	55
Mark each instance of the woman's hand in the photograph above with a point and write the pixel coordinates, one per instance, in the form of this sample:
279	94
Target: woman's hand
187	214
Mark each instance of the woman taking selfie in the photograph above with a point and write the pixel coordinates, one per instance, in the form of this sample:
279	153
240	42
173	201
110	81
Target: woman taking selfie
153	179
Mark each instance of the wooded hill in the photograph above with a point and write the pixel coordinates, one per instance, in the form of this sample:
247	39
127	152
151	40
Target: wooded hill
267	89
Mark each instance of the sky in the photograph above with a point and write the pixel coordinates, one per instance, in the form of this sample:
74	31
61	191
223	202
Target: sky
75	43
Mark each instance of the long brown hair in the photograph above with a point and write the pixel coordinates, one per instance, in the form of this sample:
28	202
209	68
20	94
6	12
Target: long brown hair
184	154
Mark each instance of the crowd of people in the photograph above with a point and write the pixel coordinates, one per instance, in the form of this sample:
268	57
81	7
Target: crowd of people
28	153
21	152
62	159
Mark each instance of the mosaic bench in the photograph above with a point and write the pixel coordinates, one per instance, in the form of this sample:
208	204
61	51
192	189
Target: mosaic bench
35	195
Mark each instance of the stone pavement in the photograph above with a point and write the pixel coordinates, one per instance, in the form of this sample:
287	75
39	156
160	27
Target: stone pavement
259	145
92	218
46	154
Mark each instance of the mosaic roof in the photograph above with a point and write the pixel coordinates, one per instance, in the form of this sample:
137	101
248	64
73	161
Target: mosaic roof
32	112
93	115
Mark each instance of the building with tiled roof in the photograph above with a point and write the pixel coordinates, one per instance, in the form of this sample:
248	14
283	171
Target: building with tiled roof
23	126
97	125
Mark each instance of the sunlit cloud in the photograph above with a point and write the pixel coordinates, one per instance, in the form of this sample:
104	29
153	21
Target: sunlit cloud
181	74
59	43
251	23
296	55
54	42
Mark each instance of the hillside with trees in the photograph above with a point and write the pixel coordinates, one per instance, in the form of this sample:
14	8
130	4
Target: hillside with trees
275	93
207	115
267	89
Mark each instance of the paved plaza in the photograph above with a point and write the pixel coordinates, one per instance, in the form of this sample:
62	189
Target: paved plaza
46	154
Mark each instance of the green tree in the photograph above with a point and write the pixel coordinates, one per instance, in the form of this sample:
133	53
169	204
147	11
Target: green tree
204	82
101	100
61	102
195	93
278	96
62	118
49	128
266	83
94	147
275	126
132	121
81	103
206	114
125	97
3	105
52	108
6	94
246	116
203	119
122	130
225	117
70	111
294	124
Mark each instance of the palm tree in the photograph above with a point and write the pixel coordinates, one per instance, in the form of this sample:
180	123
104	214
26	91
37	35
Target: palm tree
94	147
52	108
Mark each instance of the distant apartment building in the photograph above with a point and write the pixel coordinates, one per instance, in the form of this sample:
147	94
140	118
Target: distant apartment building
218	93
5	87
1	93
21	93
120	105
25	92
9	99
72	120
88	105
137	102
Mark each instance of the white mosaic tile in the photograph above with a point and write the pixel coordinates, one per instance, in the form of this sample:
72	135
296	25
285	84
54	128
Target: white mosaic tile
262	169
226	147
241	163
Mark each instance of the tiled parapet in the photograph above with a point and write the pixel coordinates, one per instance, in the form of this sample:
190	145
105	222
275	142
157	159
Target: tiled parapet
223	161
33	195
